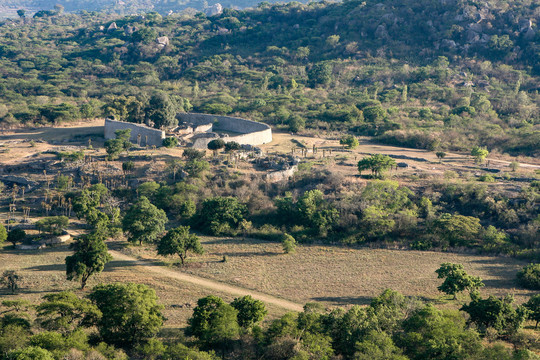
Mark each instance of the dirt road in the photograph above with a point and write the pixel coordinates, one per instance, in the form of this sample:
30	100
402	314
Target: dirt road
210	284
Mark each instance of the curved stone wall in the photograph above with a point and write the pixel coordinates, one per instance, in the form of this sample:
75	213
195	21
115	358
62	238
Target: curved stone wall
250	132
149	136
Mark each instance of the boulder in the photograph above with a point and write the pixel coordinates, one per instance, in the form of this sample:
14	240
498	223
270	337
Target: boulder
524	25
214	10
448	44
381	32
163	40
112	27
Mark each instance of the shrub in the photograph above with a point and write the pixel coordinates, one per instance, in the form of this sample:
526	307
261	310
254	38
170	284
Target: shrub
289	244
529	277
486	178
170	142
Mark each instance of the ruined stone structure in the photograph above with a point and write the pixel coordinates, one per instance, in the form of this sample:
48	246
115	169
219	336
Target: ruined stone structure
140	134
246	132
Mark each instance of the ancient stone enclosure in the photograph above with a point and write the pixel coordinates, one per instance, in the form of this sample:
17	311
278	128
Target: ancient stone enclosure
207	127
197	130
140	134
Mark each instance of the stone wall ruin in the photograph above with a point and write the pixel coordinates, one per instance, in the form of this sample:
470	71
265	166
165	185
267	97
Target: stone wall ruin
246	132
148	135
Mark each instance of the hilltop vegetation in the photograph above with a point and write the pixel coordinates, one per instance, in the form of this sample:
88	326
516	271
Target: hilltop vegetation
435	75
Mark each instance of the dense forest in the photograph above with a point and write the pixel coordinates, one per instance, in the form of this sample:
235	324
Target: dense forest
426	74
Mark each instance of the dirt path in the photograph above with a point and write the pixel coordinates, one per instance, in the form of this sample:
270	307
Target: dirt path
210	284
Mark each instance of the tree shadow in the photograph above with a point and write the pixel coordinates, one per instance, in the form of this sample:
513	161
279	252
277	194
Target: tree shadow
236	241
119	264
344	300
251	253
503	270
49	267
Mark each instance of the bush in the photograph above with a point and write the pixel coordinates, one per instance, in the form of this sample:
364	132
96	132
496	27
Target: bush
486	178
529	277
170	142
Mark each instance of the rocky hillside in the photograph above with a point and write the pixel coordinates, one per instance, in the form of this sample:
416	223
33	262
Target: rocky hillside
422	73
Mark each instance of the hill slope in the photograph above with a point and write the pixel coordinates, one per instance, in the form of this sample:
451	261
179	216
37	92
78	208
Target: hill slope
423	74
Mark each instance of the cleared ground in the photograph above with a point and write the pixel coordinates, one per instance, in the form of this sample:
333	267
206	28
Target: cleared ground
336	275
333	276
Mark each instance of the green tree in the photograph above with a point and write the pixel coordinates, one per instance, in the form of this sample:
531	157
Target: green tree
440	155
170	142
529	277
66	312
11	280
3	234
232	146
499	314
377	345
533	305
53	225
479	154
514	165
457	230
377	163
122	142
144	222
219	215
296	123
145	35
438	335
179	241
21	13
289	244
213	322
250	311
31	353
162	111
315	212
90	257
320	74
456	279
130	312
215	145
349	141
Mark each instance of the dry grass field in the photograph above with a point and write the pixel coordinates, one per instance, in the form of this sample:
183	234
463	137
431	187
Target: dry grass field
338	276
333	276
43	271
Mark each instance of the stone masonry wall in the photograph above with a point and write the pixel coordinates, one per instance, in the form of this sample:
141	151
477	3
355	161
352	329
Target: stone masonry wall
251	132
155	136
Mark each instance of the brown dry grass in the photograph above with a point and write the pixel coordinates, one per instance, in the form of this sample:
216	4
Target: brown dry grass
44	272
339	276
334	276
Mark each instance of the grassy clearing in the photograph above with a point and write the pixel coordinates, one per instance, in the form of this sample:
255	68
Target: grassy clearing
338	276
334	276
44	272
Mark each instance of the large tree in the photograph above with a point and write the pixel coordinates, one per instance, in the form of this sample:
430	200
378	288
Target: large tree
439	335
65	311
89	258
456	279
144	222
162	111
214	322
179	241
250	311
377	163
130	312
220	214
499	314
